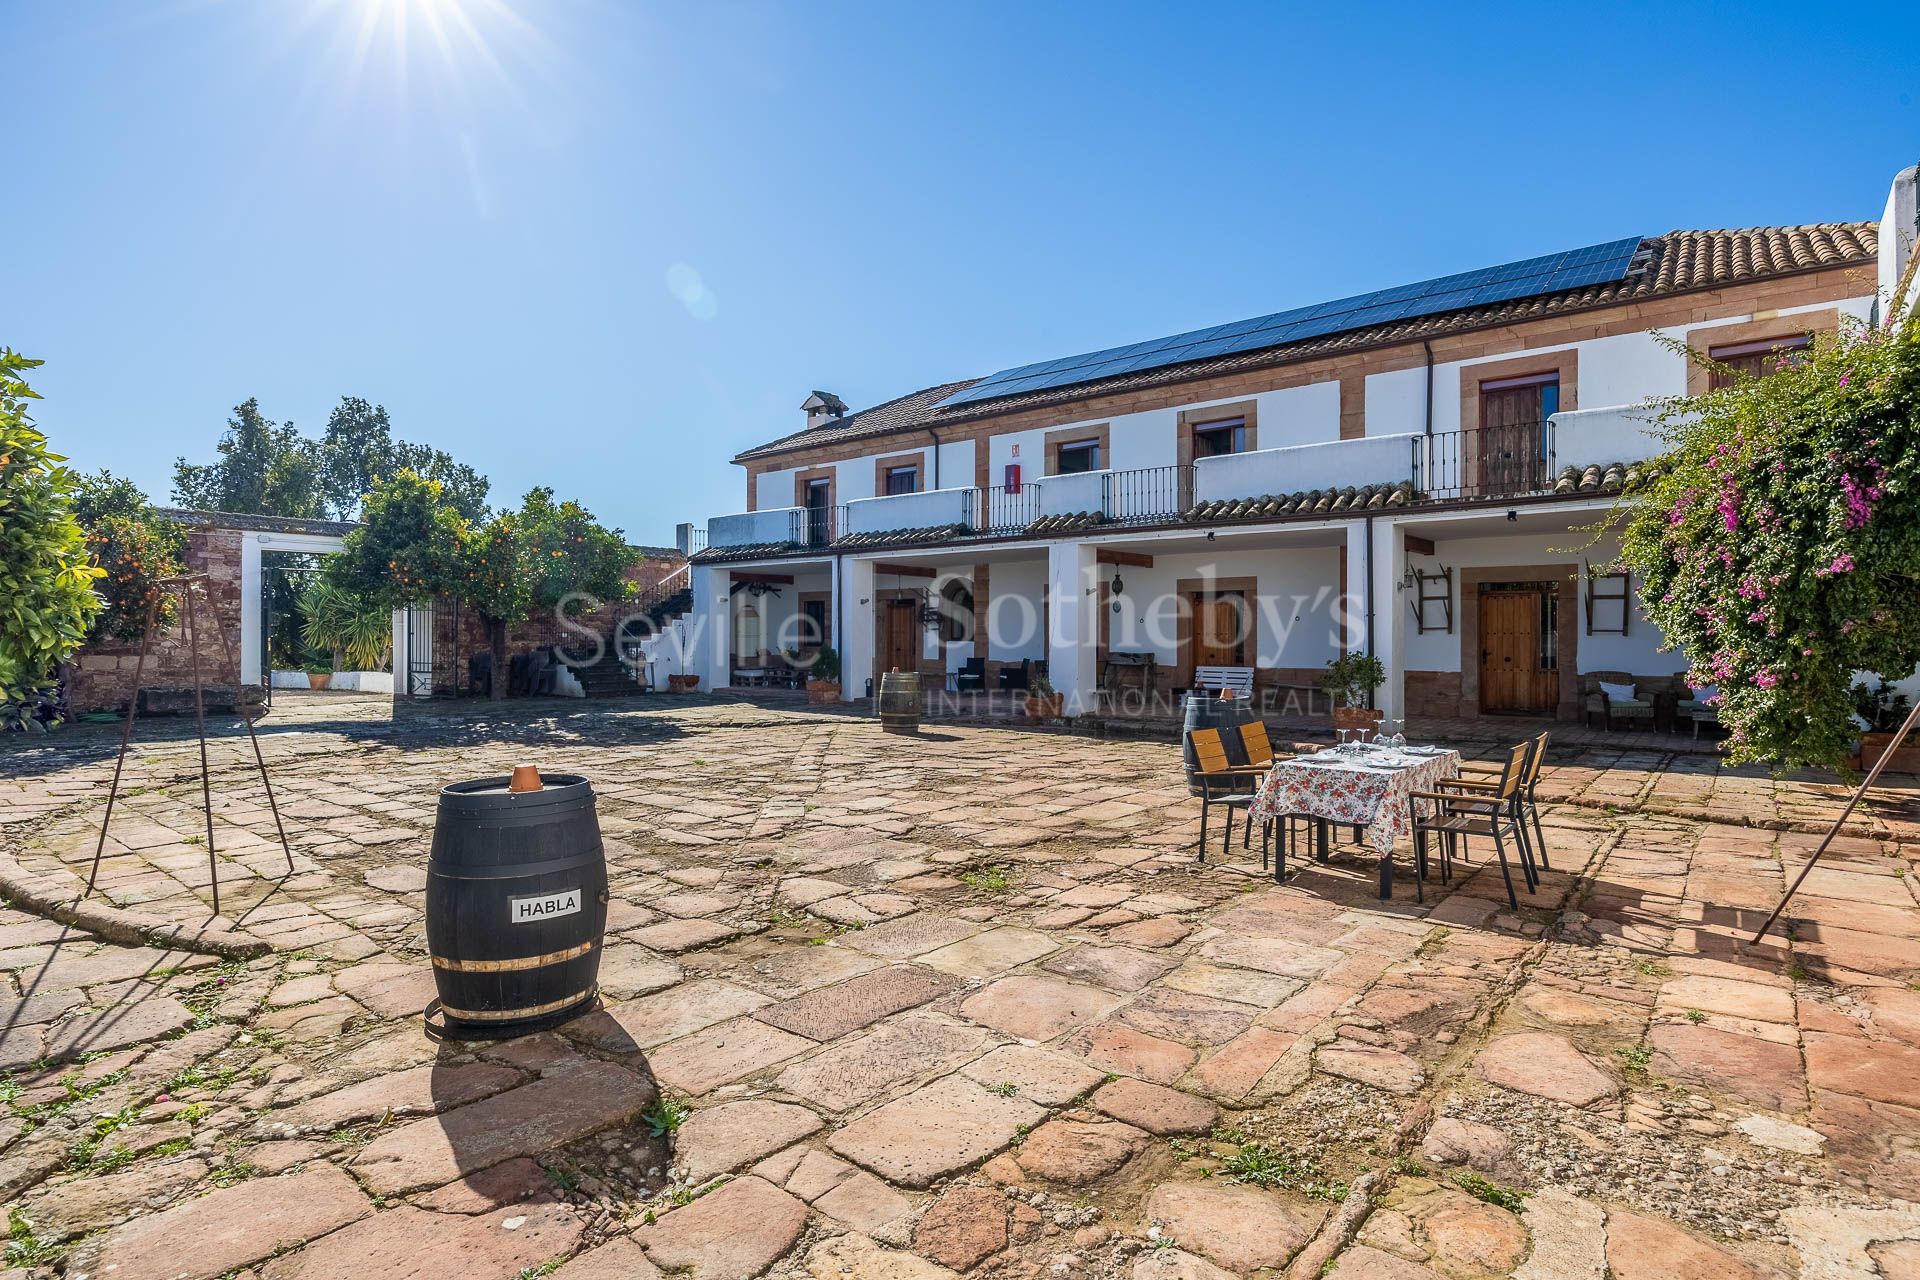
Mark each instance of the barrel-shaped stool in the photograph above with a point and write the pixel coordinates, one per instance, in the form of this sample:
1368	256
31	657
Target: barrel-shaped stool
900	701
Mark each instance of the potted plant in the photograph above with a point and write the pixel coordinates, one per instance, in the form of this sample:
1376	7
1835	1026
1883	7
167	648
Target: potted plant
1350	680
1881	711
1040	702
319	672
823	677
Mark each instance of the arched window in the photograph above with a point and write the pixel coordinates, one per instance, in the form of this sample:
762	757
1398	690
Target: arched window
956	608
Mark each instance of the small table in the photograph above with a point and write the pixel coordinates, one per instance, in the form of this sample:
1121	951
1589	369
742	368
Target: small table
1371	789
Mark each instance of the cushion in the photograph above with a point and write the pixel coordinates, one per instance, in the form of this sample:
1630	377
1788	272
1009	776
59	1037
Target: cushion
1617	692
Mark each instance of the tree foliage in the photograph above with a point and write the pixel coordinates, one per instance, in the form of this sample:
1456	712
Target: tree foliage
345	626
269	468
358	450
1779	540
545	556
265	468
132	548
407	549
46	581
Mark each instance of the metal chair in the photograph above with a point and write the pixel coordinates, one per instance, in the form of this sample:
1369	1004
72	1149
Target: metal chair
1223	783
1529	796
1461	814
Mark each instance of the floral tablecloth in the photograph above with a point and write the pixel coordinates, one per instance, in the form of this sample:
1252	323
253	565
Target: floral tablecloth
1373	789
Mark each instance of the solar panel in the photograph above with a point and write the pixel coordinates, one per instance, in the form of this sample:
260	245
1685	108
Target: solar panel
1553	273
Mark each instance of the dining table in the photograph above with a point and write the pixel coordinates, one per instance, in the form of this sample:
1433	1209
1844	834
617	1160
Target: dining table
1368	785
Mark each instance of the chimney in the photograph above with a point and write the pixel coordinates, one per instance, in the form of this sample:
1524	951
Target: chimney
823	406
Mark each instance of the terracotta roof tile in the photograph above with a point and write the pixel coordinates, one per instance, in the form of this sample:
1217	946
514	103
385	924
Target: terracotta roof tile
897	537
1677	262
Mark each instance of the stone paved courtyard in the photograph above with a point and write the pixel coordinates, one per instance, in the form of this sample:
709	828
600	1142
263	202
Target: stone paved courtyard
886	1007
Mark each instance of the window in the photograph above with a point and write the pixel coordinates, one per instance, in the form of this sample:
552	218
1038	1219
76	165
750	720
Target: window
1513	402
902	480
1753	359
1078	456
1213	439
956	610
813	625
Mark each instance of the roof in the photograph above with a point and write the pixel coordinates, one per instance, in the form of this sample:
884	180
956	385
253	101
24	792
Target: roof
1677	262
253	523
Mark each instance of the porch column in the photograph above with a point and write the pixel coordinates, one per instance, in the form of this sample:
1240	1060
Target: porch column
1072	623
857	654
707	637
252	587
1382	631
1390	615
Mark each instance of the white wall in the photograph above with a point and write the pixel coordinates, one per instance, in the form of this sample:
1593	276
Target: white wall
1396	403
1296	594
1015	591
1299	415
1637	652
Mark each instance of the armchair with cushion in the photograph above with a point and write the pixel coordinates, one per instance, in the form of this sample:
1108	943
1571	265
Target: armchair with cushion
972	676
1615	696
1694	705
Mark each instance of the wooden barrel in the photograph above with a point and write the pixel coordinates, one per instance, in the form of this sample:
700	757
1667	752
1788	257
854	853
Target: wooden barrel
516	902
1224	714
900	701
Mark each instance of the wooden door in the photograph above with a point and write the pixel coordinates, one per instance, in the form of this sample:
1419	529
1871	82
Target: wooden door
1512	678
900	645
1219	640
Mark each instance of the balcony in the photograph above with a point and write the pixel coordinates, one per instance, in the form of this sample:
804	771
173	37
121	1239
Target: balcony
756	528
1143	495
933	508
1336	464
1597	437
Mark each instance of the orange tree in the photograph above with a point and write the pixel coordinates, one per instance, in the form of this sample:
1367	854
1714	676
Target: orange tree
133	550
47	600
547	557
1779	540
414	544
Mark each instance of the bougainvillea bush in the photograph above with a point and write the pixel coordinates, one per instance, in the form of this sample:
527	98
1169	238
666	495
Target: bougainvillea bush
1779	540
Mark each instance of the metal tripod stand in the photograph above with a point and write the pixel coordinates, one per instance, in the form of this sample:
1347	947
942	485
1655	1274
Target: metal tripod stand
188	588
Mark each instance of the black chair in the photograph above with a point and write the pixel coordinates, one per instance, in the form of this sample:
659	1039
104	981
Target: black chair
1012	677
972	676
480	674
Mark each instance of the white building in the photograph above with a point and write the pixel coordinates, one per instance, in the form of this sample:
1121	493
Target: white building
1408	473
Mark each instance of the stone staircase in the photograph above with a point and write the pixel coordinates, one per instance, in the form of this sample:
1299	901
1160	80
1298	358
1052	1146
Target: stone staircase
655	608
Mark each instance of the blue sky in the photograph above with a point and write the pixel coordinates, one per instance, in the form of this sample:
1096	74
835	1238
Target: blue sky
603	246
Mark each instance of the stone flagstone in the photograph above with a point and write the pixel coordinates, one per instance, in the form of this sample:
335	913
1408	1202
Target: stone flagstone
536	1117
228	1229
934	1131
733	1233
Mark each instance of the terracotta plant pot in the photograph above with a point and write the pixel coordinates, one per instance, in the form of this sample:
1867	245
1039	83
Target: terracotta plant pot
1366	719
682	684
1874	745
822	692
318	679
1043	706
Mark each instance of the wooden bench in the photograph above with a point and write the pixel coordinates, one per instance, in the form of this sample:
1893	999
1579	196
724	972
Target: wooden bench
1218	679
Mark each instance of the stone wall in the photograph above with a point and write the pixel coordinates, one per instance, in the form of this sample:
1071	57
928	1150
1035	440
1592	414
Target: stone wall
100	676
545	630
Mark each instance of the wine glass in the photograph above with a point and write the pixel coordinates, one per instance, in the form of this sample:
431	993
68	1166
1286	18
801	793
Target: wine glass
1345	735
